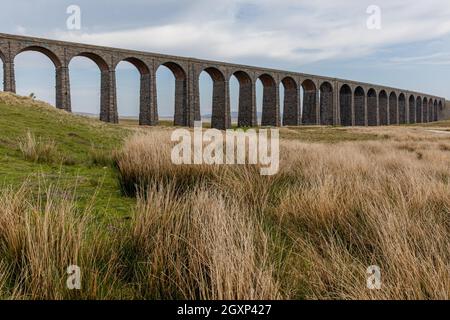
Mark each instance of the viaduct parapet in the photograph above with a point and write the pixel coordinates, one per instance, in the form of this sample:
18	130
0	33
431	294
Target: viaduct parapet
323	100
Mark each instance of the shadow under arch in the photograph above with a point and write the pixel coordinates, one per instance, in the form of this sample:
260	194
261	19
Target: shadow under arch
326	104
270	105
360	106
419	109
345	105
425	110
291	106
372	107
402	108
393	108
309	103
383	108
412	109
247	100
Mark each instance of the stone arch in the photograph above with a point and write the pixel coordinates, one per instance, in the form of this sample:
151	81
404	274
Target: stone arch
360	107
180	109
309	110
108	97
145	104
393	108
440	108
221	116
99	61
412	109
291	106
419	109
345	105
383	108
53	58
270	109
140	65
247	100
425	110
402	108
326	104
47	52
372	107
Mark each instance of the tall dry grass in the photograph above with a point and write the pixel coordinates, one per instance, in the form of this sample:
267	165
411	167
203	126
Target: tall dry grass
146	159
41	237
334	210
363	204
37	150
200	247
226	232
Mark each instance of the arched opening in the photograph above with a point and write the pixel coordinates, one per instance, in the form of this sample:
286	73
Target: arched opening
360	107
372	108
383	108
171	88
345	105
291	103
309	103
214	98
425	110
205	86
435	111
326	104
270	101
87	72
419	110
441	107
133	89
234	99
40	84
247	116
402	108
393	108
412	109
430	110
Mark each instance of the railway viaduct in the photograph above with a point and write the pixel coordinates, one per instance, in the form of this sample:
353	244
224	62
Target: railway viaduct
324	100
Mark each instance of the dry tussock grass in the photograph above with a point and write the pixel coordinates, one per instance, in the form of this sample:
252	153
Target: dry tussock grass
201	247
38	150
345	207
201	232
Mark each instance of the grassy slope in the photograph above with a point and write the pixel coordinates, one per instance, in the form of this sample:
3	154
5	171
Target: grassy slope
75	137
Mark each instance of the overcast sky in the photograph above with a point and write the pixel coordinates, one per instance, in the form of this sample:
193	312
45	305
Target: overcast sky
326	37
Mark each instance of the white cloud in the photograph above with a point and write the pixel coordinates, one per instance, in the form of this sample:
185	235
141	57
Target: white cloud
293	31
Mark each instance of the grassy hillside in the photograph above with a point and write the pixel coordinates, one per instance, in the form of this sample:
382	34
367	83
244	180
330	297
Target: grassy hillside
82	156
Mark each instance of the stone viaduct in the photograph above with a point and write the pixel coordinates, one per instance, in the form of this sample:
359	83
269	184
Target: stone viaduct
324	101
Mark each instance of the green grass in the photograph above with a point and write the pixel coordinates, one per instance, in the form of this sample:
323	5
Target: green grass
76	137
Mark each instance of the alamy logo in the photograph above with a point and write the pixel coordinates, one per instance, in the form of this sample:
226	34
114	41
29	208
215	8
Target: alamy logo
74	20
74	278
374	20
215	147
374	278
